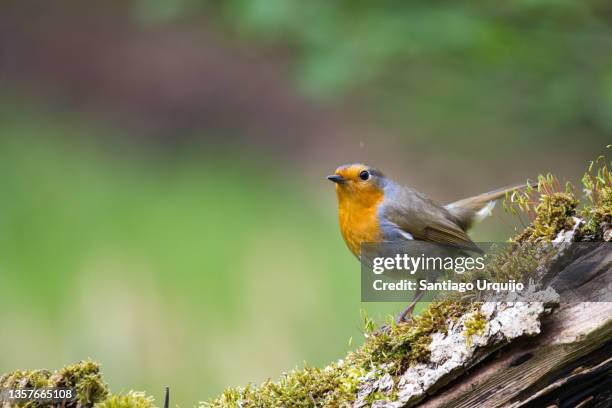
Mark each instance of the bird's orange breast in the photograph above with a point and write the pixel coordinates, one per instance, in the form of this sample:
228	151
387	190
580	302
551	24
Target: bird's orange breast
359	218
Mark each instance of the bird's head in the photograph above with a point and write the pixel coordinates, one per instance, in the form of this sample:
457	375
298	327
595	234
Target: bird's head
358	182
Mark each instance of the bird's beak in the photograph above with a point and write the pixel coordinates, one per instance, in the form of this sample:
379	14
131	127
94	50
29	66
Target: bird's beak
336	179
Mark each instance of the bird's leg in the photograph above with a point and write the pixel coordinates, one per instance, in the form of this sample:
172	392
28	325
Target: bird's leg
402	316
408	311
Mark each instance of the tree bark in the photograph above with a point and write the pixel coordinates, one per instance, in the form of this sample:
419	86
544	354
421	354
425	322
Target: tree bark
568	364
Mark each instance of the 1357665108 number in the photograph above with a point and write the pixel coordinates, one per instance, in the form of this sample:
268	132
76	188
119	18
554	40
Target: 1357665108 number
51	395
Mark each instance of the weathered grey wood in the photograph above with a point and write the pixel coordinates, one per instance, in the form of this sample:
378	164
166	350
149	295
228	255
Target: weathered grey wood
596	372
523	369
568	364
530	354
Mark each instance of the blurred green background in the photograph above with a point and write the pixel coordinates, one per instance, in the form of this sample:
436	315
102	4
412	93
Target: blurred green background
163	202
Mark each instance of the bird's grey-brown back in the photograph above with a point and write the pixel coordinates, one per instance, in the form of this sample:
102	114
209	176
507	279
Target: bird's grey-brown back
409	214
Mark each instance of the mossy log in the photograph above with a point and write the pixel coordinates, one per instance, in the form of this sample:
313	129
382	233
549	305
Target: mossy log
560	355
567	365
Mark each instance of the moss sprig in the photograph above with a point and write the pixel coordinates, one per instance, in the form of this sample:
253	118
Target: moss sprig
597	184
549	208
474	325
133	399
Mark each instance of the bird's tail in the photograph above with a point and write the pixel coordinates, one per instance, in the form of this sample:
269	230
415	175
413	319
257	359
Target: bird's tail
473	209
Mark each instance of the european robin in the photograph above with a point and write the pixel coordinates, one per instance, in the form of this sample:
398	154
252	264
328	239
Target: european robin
374	208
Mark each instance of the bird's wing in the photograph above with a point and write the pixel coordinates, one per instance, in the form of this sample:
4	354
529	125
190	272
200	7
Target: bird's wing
425	220
451	235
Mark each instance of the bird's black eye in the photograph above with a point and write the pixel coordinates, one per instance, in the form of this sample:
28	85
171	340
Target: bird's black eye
364	175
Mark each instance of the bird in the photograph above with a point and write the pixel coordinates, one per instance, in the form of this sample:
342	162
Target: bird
373	208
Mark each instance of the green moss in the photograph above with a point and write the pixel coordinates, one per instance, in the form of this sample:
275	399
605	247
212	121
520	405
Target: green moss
517	262
555	207
406	344
395	349
381	396
132	399
84	377
553	214
332	386
475	324
550	209
25	379
597	184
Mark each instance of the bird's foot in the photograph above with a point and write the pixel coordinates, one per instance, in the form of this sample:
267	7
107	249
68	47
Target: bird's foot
406	315
402	318
386	329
